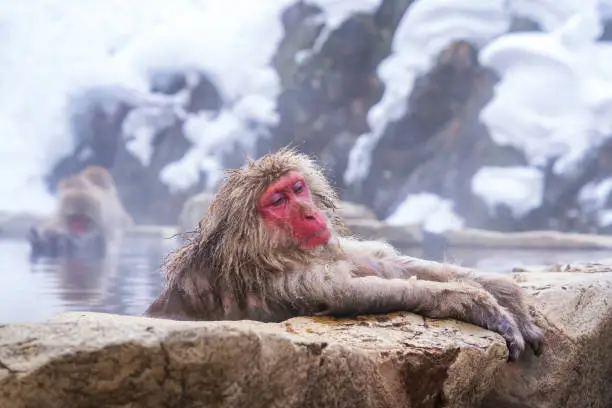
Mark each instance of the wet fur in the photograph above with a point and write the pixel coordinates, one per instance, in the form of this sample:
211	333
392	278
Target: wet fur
233	269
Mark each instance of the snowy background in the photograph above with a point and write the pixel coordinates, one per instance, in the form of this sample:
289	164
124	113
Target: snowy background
484	113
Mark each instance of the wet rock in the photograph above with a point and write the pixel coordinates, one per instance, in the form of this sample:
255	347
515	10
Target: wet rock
147	198
522	24
437	146
574	370
606	35
389	15
201	94
440	143
332	89
334	157
301	27
107	123
398	360
96	118
329	78
168	82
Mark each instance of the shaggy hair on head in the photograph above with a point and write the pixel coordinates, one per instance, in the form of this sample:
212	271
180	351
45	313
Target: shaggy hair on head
231	251
99	176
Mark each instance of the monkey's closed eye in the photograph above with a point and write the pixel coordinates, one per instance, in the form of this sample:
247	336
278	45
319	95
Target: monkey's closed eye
298	187
276	199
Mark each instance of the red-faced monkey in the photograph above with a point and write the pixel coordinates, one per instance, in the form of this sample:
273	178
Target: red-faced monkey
269	249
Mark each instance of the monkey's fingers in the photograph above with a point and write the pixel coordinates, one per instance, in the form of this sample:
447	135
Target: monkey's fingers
537	347
535	338
511	333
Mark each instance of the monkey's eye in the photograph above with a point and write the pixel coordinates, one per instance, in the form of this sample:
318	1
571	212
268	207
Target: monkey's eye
276	199
298	187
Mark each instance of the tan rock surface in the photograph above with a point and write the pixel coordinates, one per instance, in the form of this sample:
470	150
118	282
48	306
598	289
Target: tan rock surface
576	366
582	267
97	360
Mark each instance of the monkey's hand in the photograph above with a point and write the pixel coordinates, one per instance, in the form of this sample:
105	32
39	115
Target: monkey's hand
511	296
473	305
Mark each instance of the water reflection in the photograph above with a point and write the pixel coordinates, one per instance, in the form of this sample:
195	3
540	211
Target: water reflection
128	282
123	283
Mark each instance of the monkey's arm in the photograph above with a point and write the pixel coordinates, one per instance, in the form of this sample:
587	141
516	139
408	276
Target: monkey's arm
378	259
402	266
340	294
170	305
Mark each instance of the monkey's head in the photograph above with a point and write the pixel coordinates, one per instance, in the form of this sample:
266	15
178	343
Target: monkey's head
99	176
73	181
280	199
80	213
266	218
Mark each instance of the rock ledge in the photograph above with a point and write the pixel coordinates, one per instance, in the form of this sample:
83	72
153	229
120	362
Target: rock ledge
398	360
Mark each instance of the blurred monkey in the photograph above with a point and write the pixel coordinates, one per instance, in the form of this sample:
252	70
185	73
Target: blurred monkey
89	217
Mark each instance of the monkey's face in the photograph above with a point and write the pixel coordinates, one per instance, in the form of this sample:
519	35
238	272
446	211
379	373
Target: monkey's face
287	205
80	213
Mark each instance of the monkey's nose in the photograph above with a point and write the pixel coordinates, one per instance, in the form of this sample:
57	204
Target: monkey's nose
309	217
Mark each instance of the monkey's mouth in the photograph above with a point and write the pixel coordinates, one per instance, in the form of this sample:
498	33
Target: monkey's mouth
320	237
79	224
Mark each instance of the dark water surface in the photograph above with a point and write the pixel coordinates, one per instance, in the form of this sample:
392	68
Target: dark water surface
126	284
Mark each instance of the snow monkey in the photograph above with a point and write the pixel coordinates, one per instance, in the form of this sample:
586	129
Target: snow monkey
89	216
270	248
